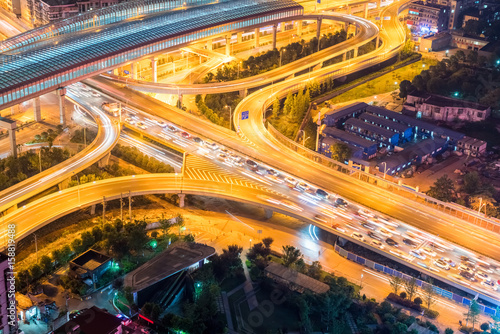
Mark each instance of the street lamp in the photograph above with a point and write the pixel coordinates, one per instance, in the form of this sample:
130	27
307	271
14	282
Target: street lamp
361	282
230	117
250	243
385	167
304	141
281	54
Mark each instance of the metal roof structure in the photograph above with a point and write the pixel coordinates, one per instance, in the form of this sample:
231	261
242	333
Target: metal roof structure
355	122
299	281
348	137
383	122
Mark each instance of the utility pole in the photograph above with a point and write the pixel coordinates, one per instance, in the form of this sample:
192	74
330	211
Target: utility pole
121	207
103	209
85	137
129	206
36	248
317	130
40	158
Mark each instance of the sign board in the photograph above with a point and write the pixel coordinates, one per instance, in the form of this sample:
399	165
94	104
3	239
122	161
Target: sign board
244	115
126	72
387	18
377	18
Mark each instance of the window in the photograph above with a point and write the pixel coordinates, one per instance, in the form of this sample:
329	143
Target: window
460	111
480	114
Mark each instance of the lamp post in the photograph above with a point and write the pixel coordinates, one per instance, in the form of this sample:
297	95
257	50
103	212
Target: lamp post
385	167
304	141
230	117
361	282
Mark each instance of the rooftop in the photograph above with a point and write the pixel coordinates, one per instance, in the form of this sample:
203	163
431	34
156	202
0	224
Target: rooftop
347	110
60	2
345	136
427	5
91	259
296	278
383	122
170	261
91	321
443	101
423	148
370	127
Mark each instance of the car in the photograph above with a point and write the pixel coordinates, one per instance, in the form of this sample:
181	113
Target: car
468	275
490	285
224	150
198	140
366	214
442	264
449	261
95	94
485	266
374	235
357	235
222	157
340	202
391	242
409	242
368	225
464	267
378	244
320	193
302	186
210	144
291	181
272	172
482	275
252	164
141	125
239	161
338	228
185	135
427	250
385	232
129	120
418	254
172	128
161	123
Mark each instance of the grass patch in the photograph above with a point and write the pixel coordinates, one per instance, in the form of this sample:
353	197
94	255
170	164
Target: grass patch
385	83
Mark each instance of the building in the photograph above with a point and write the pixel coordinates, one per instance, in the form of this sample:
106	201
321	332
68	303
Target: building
92	321
8	317
294	280
326	143
382	136
455	7
446	109
413	155
427	18
161	279
405	132
471	146
90	265
467	42
368	149
435	42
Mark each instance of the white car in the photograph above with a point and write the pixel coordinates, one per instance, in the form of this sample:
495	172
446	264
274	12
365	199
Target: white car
482	275
95	94
378	244
291	181
301	186
429	251
490	284
141	125
212	145
161	123
463	267
449	261
417	254
442	264
364	213
385	232
358	236
129	120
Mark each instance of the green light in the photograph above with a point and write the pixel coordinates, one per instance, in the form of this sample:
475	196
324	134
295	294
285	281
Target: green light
153	244
456	94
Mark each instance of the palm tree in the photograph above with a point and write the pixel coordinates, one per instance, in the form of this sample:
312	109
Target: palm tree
482	201
290	255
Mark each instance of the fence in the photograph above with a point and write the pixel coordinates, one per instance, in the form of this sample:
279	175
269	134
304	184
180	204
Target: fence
386	270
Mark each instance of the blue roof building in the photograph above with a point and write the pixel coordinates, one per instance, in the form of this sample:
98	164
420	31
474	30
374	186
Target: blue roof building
369	147
405	132
371	132
338	117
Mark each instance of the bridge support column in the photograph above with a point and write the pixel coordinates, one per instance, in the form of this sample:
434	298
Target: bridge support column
104	161
243	93
92	209
154	66
366	10
256	37
344	56
268	213
318	29
12	139
283	26
275	30
378	4
355	53
209	45
346	27
239	36
116	71
61	93
179	100
37	110
377	42
299	28
64	184
181	200
349	10
134	68
228	45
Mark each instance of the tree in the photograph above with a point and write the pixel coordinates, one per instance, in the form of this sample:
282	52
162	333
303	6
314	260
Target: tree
165	225
189	238
314	270
405	87
340	152
289	101
276	107
97	233
46	264
442	189
87	240
396	283
473	312
76	245
290	255
267	242
448	331
418	301
36	271
429	295
410	287
485	326
472	183
482	201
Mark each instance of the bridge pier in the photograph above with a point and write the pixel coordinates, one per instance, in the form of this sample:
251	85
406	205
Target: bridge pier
275	29
228	45
154	67
378	4
346	27
116	71
355	53
366	10
256	37
344	56
358	28
239	37
133	69
104	160
243	93
10	125
61	93
64	184
92	209
209	45
299	28
283	26
268	213
349	10
318	28
37	110
377	42
181	200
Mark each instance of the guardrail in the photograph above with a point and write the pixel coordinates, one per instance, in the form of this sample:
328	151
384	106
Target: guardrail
392	272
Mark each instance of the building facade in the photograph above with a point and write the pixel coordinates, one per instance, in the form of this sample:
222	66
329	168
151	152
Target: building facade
427	18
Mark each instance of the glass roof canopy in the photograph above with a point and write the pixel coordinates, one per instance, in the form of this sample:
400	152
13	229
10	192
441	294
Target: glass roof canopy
51	63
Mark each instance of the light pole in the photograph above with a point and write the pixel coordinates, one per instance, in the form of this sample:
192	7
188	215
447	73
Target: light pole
304	141
250	243
385	167
40	158
281	55
361	282
230	117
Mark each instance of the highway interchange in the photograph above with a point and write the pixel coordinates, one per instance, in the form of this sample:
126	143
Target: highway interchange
254	142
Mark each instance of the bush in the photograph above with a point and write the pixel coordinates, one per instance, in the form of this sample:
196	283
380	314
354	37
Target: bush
404	302
485	326
448	331
431	314
402	295
418	301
